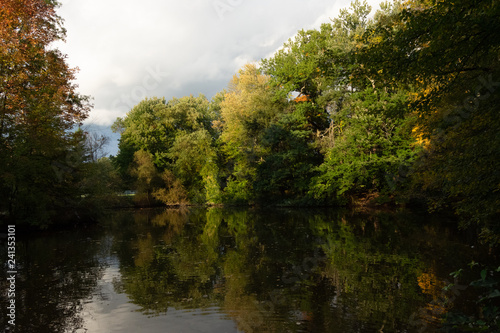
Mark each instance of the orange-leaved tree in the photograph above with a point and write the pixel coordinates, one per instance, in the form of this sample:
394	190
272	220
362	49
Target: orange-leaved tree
39	108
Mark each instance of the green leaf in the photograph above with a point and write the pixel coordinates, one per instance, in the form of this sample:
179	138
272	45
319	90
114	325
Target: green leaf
456	274
495	293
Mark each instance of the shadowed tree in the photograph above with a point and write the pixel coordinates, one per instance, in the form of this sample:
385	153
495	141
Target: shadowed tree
39	108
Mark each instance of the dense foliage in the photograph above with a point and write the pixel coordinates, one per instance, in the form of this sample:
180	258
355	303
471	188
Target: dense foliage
400	107
397	107
49	168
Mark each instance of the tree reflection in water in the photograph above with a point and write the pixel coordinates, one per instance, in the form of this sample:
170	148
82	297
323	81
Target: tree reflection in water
285	270
57	275
281	270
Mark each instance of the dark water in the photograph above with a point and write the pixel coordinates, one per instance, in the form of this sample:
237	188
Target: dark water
220	270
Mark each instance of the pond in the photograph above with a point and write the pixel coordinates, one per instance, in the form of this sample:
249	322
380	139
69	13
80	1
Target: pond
240	270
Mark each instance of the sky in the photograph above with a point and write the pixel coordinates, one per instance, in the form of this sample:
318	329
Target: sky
129	50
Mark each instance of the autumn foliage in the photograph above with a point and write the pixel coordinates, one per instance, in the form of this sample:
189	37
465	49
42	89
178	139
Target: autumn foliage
39	106
398	108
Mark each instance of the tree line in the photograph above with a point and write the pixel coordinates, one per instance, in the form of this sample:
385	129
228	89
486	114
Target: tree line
395	107
50	169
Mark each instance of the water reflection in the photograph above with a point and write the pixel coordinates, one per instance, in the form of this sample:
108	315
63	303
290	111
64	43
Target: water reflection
223	270
286	271
57	274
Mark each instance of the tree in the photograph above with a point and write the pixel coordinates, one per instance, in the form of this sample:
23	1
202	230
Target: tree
449	53
147	177
95	144
143	129
289	161
195	162
152	185
179	137
318	65
39	106
347	135
368	149
100	185
249	107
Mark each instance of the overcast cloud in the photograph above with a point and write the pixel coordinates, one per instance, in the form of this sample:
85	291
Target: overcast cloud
128	50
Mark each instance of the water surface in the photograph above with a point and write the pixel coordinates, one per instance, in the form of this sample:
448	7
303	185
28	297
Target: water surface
240	270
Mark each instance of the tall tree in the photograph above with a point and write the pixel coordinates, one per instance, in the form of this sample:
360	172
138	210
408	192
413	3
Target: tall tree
249	107
368	147
39	106
449	52
339	115
179	137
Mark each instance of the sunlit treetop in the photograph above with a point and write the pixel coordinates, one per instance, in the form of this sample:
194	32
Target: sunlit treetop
36	81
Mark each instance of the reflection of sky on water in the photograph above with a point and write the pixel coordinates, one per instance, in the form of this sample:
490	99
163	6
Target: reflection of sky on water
217	270
109	311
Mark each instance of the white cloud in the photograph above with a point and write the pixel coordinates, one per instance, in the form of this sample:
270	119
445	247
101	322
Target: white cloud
103	117
194	46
